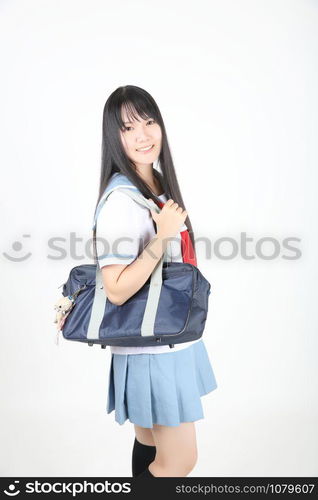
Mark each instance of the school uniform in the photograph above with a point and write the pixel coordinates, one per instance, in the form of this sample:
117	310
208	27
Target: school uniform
149	384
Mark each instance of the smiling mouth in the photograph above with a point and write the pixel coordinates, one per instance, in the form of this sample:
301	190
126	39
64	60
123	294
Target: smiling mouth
145	150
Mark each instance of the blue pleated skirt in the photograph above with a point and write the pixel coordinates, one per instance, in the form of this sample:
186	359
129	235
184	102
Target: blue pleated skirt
162	389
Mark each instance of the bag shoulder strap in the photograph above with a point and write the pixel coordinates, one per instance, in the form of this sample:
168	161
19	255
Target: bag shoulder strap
99	302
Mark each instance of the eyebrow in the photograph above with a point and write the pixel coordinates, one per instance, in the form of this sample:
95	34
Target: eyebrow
133	122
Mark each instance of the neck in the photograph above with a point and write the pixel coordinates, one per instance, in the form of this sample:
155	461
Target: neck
147	175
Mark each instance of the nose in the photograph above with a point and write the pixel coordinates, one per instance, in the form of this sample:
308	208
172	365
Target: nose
142	134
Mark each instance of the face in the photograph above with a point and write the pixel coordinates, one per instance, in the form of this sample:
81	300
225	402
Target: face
137	136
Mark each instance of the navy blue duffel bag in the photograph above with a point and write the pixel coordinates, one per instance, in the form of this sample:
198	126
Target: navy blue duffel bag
170	308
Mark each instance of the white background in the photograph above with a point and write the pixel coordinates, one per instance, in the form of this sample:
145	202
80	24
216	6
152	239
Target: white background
236	82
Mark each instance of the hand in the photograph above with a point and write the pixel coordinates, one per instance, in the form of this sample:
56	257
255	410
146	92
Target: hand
170	220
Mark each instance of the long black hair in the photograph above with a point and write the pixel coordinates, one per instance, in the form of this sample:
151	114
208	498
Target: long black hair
137	103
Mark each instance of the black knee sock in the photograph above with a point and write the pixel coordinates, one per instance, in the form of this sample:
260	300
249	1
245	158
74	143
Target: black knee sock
142	456
145	473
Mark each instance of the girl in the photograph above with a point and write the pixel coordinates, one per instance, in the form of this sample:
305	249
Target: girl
157	388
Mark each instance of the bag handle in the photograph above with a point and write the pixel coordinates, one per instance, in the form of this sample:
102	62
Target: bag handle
99	302
148	322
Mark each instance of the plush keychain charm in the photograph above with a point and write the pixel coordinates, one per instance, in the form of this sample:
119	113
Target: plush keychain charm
63	307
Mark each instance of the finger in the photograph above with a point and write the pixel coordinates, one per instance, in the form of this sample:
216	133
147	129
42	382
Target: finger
169	202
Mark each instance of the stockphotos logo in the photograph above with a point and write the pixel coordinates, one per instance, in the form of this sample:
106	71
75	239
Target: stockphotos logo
12	489
245	247
73	488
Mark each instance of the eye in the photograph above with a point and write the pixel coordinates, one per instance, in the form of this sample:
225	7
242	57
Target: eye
127	128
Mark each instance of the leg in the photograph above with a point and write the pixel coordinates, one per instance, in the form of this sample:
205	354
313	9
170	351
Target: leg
144	450
176	450
144	435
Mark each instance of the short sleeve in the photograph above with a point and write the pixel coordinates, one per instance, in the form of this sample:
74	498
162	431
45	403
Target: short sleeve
119	230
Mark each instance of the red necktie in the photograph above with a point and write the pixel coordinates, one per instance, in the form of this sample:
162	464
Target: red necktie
188	253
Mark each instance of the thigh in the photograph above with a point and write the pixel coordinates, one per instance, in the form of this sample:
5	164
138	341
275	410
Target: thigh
175	445
144	435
